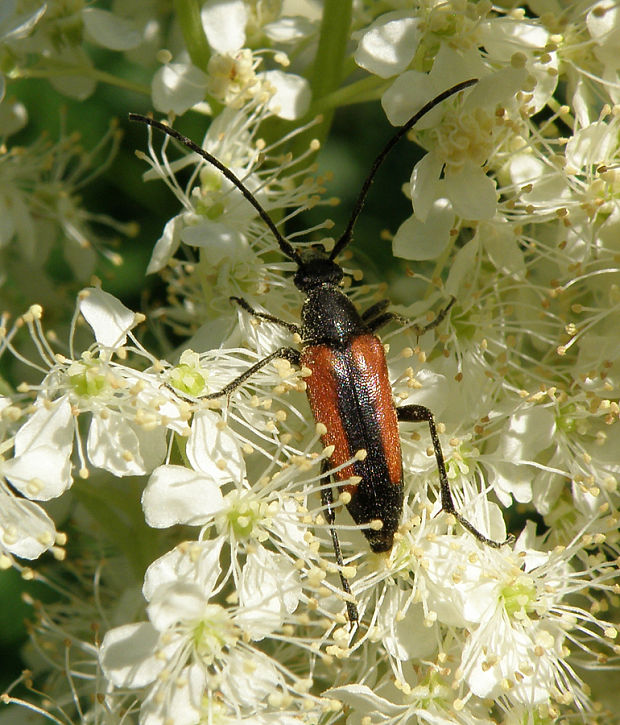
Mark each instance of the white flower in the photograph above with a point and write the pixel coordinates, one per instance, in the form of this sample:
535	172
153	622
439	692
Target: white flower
110	30
291	97
224	24
232	68
205	647
388	45
517	650
109	319
177	87
129	413
41	467
26	531
40	207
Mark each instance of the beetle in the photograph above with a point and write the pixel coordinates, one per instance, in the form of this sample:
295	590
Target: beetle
348	386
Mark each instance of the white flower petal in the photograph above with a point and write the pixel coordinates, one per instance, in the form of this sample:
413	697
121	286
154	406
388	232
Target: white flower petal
166	245
108	317
224	24
593	145
456	586
549	187
74	85
184	702
13	117
287	526
495	89
473	194
25	529
220	239
425	186
40	473
179	601
453	66
292	96
51	424
361	699
178	495
603	22
513	647
196	561
127	655
122	447
425	240
268	590
462	266
388	45
249	679
405	638
289	29
213	450
528	433
503	248
109	30
176	87
406	96
14	26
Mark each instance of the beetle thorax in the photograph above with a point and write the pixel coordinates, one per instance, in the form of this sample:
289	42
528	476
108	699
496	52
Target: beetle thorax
328	316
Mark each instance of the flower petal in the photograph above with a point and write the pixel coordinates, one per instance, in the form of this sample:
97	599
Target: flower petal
292	95
122	447
108	317
196	561
213	450
472	193
127	655
388	45
176	87
425	240
224	24
178	495
25	529
109	30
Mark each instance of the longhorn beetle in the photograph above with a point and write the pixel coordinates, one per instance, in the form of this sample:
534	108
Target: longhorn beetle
348	389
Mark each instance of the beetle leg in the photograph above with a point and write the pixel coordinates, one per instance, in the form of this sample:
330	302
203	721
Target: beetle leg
380	320
375	310
327	499
264	316
375	320
420	414
286	353
419	331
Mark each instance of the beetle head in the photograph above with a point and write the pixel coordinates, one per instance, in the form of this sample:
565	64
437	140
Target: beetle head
316	268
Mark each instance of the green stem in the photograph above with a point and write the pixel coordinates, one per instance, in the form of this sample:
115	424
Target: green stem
98	75
367	89
188	15
330	54
327	72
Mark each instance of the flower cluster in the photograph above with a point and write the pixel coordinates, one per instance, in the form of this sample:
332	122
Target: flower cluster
187	535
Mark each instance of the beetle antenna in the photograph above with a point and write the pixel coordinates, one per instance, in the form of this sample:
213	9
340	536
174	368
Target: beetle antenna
286	247
347	235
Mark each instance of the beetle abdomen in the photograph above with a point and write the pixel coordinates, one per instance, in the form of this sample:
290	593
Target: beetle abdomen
350	393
